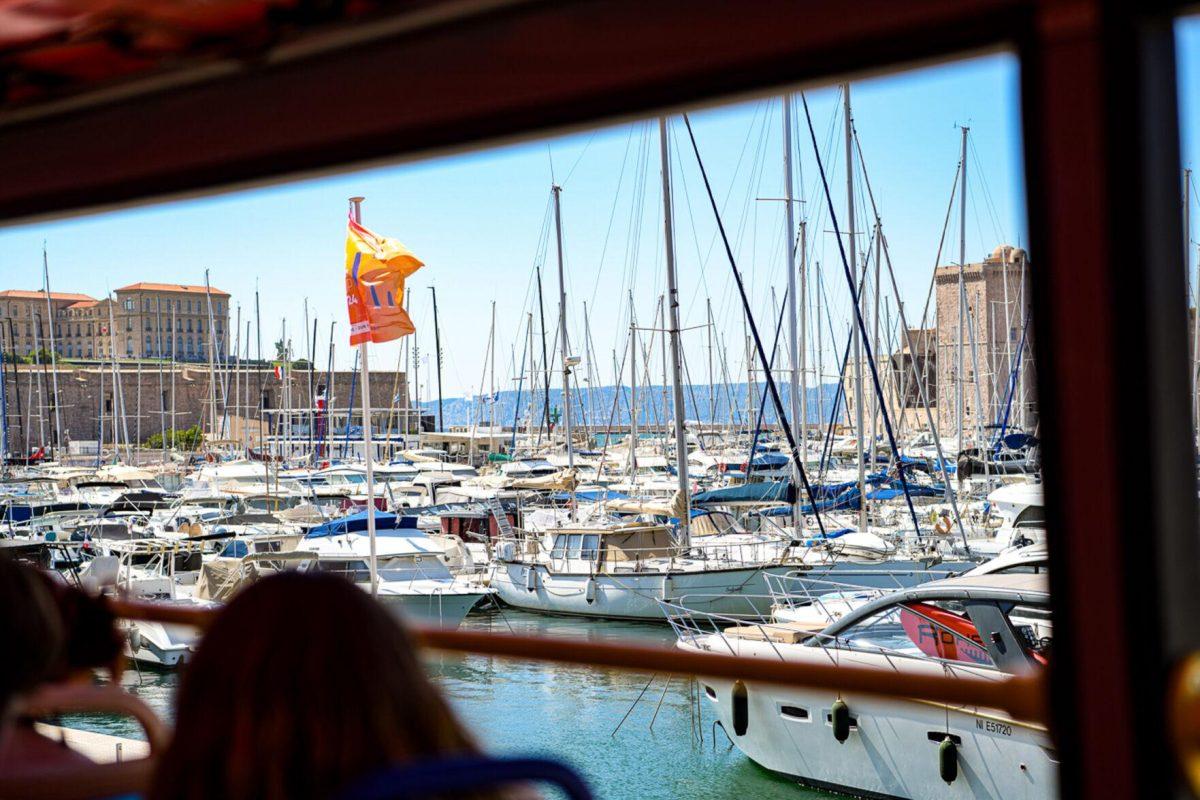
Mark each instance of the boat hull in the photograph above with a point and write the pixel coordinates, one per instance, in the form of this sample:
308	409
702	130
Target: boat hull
736	591
893	748
445	610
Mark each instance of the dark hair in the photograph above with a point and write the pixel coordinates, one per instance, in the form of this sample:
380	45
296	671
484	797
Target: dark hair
90	635
31	629
303	684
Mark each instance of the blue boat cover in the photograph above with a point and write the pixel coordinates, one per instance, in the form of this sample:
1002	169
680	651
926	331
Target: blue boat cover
748	494
386	524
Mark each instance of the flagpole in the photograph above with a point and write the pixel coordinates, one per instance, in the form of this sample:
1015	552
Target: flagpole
356	212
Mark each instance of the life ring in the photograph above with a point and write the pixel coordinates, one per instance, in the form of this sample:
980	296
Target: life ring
210	458
943	526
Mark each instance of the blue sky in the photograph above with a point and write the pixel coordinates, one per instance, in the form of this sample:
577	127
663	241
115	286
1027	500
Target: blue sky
479	222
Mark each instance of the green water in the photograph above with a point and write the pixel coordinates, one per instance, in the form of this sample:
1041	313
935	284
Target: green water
571	713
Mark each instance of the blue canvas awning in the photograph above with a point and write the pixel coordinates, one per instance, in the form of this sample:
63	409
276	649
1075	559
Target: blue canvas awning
385	524
767	492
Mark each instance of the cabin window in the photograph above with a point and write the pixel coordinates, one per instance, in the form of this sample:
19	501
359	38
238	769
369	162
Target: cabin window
574	545
591	546
356	571
560	546
235	549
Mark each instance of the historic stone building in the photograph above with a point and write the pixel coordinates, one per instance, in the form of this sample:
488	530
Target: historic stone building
23	318
141	320
997	367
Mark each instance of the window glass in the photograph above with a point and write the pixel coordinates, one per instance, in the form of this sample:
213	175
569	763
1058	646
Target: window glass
574	543
591	543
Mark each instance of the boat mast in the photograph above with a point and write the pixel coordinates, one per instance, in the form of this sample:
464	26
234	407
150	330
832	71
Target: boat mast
212	361
962	289
794	346
681	454
53	349
1187	268
492	393
852	246
437	344
633	395
712	416
562	335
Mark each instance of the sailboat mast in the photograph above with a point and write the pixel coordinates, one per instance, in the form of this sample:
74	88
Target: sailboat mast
962	290
53	349
681	452
794	351
633	395
437	345
852	246
712	415
562	328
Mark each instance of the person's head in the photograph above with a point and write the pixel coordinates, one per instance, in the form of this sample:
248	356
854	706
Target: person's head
303	684
91	639
31	629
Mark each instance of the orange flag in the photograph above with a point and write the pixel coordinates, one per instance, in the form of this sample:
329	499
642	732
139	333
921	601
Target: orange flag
376	267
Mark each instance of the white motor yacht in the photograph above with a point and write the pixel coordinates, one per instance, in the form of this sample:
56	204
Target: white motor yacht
977	628
413	575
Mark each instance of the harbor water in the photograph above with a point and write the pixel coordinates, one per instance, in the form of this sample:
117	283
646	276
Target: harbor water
571	713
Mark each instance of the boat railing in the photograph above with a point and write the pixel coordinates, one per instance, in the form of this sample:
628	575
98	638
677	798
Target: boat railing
798	588
724	633
704	630
530	547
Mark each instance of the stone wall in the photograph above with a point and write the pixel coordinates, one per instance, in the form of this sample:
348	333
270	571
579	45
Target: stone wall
88	403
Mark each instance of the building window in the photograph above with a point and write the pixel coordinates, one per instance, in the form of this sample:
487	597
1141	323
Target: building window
189	305
128	304
189	326
128	345
199	326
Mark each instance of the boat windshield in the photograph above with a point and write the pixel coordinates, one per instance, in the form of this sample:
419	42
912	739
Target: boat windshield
919	630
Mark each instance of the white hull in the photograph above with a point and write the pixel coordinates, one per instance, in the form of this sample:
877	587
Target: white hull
444	609
159	645
893	747
633	595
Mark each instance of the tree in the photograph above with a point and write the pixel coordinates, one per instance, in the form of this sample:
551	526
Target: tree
40	356
186	439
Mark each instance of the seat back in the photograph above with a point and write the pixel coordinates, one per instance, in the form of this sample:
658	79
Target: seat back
447	777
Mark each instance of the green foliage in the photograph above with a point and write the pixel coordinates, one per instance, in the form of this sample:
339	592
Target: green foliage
187	439
300	365
39	356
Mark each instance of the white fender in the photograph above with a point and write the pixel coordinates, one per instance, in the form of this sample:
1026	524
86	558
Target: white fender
589	592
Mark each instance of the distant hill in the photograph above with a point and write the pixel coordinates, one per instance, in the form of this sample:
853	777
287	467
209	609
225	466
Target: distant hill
598	405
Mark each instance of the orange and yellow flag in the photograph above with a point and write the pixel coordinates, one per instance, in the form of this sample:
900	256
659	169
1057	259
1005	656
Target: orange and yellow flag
376	267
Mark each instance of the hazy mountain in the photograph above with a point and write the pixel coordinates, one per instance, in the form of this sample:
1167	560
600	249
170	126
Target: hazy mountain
597	405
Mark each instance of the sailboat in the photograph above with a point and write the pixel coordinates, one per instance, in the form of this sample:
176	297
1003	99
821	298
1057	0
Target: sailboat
602	566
